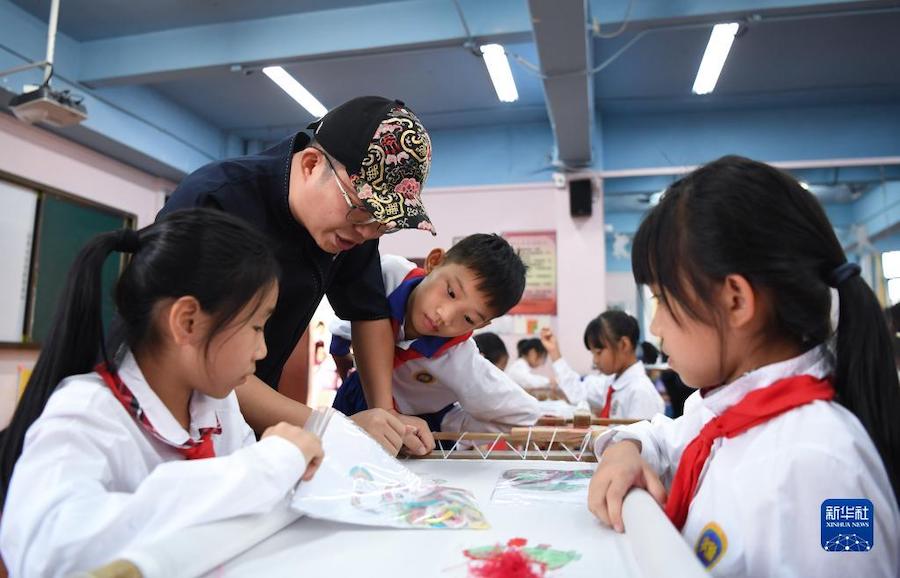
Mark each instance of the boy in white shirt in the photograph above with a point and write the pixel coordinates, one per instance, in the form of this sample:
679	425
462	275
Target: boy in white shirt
439	374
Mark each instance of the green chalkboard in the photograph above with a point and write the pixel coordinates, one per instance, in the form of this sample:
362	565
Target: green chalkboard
63	228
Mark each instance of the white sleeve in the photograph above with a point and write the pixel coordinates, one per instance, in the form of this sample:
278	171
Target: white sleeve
570	382
340	328
662	440
66	510
802	477
486	393
458	420
520	373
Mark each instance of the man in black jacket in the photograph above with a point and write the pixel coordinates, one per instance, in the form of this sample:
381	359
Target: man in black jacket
324	201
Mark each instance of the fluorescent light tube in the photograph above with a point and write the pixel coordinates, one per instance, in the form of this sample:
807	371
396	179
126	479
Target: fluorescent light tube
501	75
714	58
296	90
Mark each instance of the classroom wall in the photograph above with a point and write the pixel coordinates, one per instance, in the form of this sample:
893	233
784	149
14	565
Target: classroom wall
621	292
460	211
51	161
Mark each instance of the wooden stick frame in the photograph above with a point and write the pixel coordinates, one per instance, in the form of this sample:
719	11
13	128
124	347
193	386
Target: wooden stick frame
561	444
583	420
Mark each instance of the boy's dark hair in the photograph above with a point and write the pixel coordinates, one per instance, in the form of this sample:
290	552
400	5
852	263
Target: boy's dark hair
530	344
739	216
220	260
610	326
498	268
491	347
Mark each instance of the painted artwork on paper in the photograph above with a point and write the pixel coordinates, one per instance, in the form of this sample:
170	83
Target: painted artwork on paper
359	483
527	486
429	505
516	559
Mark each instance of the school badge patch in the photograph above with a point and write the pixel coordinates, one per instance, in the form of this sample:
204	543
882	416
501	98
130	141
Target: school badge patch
424	377
711	545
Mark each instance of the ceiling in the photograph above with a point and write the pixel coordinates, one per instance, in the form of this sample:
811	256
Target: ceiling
825	56
825	52
810	60
96	19
445	86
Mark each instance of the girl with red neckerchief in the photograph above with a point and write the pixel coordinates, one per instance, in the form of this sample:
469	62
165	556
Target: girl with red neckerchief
787	460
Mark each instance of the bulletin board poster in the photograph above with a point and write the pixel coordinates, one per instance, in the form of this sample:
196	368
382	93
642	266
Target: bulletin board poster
538	251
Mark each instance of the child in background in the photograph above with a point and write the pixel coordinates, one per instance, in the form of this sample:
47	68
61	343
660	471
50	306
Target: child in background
531	356
625	391
438	373
113	452
676	391
647	353
492	348
743	261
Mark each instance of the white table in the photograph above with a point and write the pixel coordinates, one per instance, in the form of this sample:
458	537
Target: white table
277	544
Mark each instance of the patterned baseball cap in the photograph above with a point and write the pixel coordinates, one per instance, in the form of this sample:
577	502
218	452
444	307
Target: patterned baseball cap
387	153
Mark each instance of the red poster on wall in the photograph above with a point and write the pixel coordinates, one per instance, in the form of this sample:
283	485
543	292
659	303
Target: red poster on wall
538	251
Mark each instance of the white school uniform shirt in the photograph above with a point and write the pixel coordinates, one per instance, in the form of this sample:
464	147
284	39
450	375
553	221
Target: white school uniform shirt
487	399
590	389
634	396
92	482
520	372
761	492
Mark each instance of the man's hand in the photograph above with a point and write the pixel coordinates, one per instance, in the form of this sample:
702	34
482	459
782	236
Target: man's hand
418	439
384	426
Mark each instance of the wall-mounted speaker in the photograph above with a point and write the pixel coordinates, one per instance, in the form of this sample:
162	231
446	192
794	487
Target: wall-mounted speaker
580	197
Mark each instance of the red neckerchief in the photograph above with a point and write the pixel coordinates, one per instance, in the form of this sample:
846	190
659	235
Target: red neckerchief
757	407
192	450
605	411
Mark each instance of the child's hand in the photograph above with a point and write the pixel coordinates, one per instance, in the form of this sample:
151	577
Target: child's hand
309	444
548	340
384	427
621	468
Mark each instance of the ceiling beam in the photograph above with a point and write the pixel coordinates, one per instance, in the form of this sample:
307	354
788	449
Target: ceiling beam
564	52
388	27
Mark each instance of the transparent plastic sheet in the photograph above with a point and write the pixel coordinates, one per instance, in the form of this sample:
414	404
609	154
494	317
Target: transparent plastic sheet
557	408
359	483
527	486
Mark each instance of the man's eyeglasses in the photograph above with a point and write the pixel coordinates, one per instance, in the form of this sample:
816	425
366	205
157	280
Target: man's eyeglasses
356	214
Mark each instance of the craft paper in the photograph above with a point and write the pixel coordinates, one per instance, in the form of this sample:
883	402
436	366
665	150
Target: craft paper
529	486
359	483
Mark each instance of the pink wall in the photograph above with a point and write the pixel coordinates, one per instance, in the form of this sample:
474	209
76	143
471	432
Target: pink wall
47	160
580	247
